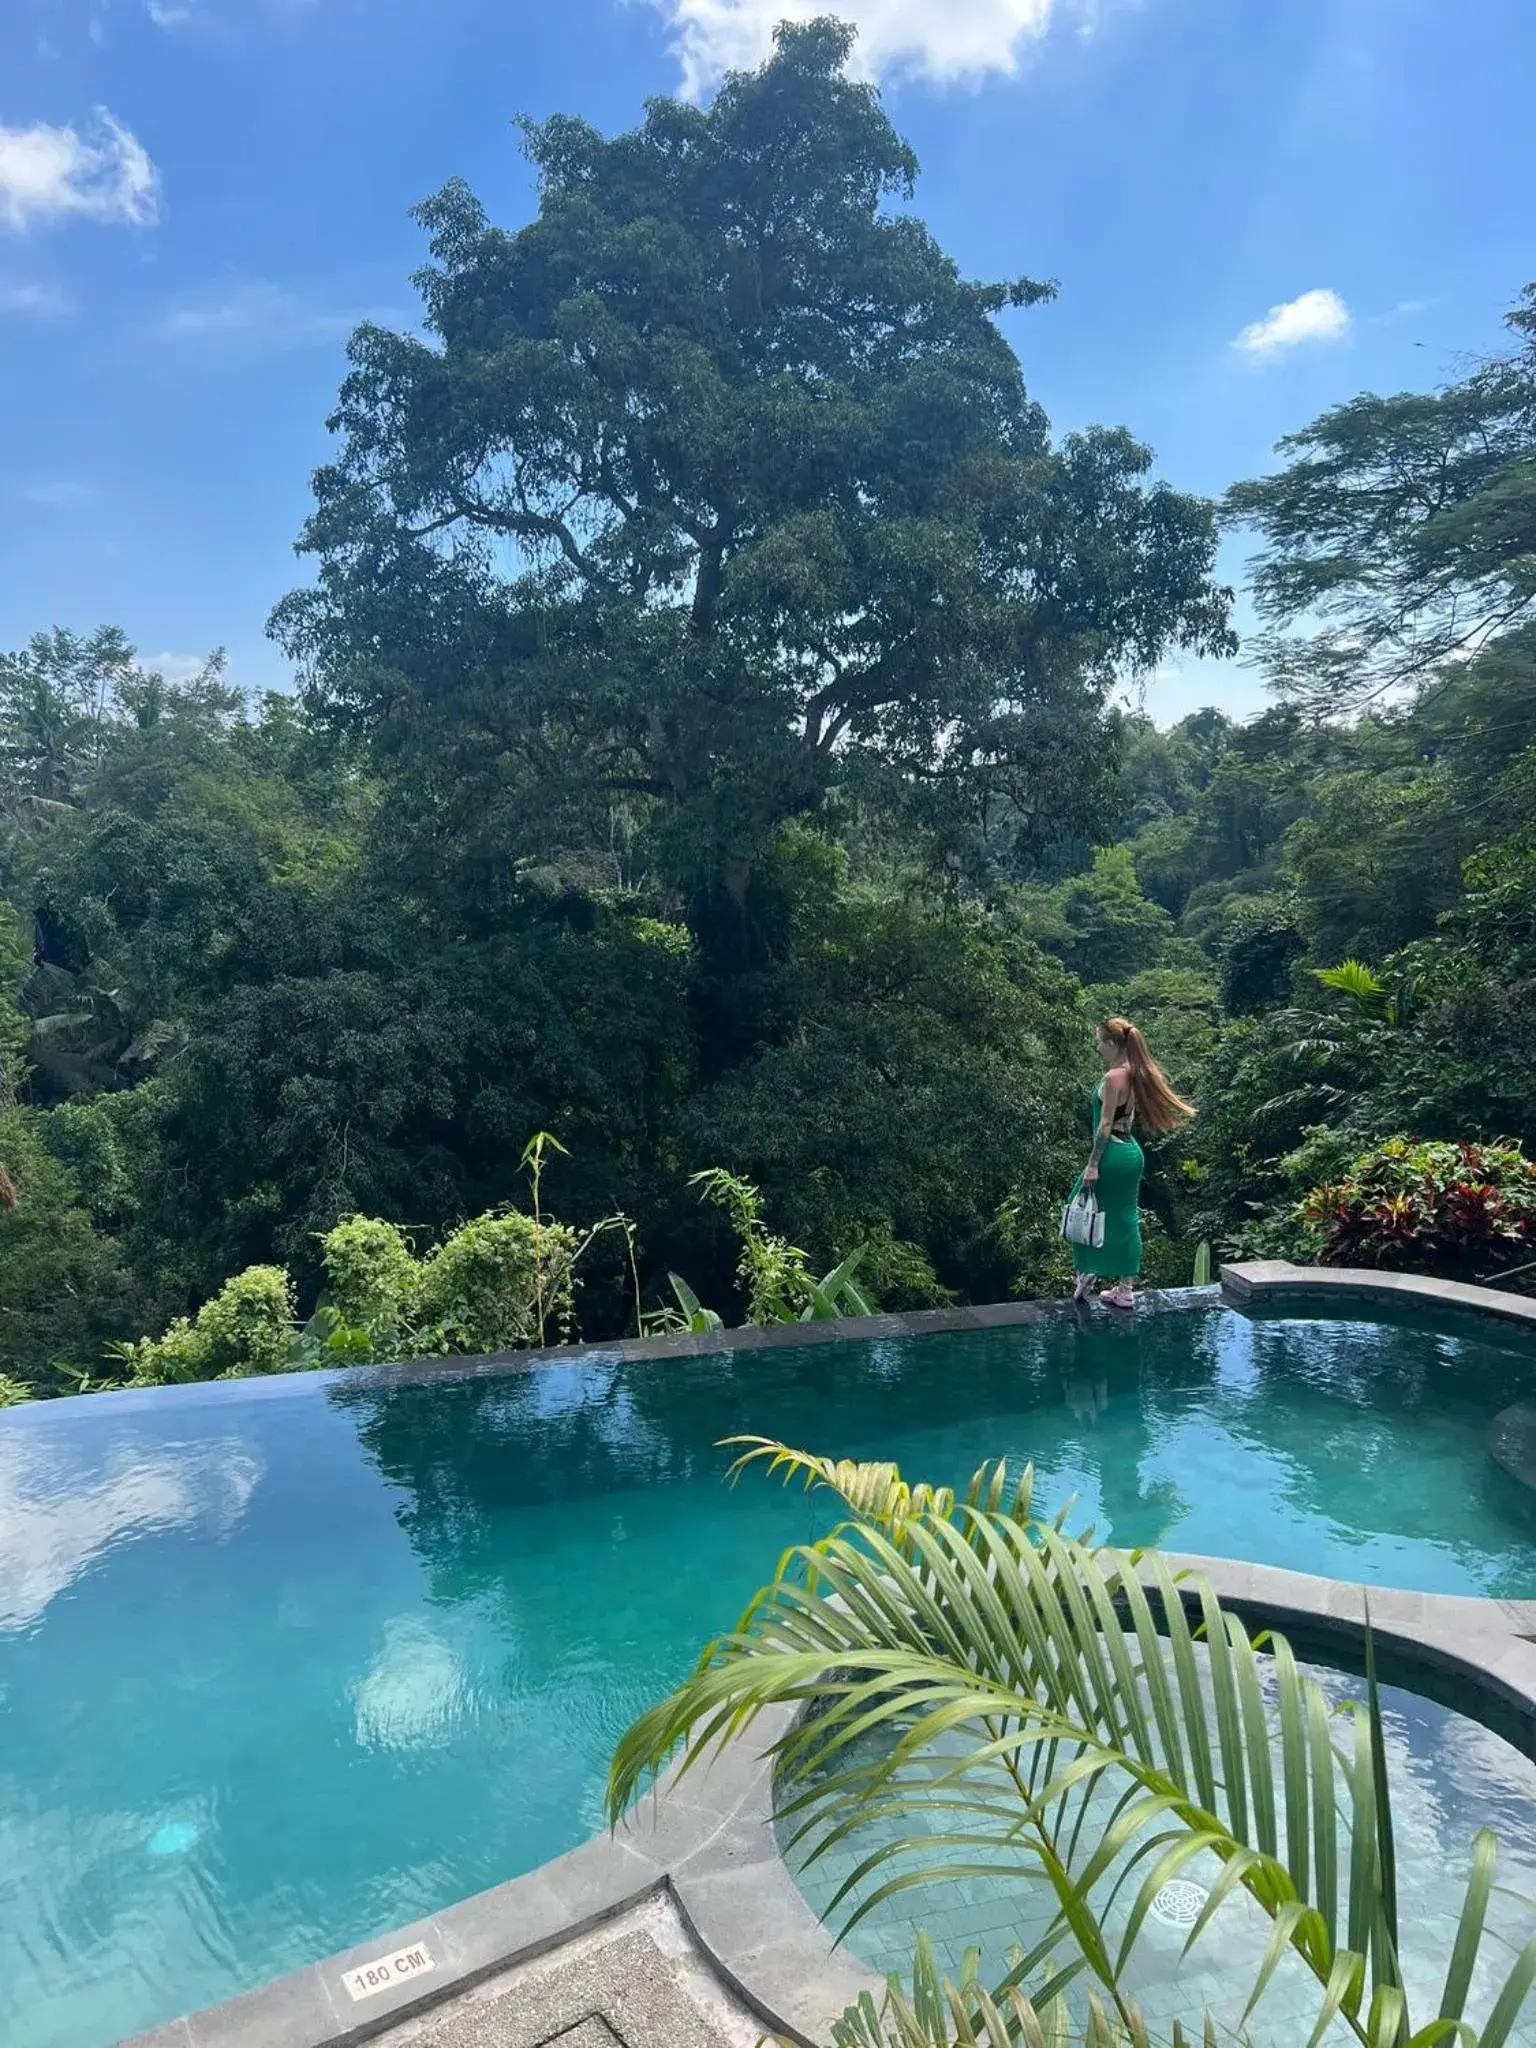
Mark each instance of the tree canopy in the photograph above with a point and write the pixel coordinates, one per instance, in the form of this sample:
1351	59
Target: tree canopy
715	488
1402	532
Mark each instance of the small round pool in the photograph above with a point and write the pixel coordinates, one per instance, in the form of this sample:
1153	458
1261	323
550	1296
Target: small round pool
1450	1776
285	1664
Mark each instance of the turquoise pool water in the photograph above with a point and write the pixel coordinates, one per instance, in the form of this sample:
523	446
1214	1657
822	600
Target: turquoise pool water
284	1664
1450	1776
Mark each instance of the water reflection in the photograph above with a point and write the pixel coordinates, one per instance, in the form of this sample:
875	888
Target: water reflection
1104	1384
1355	1451
68	1498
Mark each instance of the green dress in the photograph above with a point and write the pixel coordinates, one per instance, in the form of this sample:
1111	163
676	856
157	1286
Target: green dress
1117	1190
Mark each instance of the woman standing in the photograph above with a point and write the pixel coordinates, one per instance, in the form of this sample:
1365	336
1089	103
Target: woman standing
1134	1090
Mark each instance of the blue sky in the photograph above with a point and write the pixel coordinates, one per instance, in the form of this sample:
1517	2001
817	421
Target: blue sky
198	198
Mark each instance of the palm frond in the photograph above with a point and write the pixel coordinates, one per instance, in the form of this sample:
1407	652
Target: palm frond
1005	1699
939	2013
1354	979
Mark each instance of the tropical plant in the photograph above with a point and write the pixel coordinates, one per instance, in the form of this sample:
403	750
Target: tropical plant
941	2014
982	1684
689	1313
1327	1056
1368	992
246	1328
1460	1210
775	1278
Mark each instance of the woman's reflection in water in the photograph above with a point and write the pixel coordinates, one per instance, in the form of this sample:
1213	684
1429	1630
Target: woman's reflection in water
1103	1386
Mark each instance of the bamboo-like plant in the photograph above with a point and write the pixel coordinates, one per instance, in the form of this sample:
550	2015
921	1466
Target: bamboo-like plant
969	1668
778	1284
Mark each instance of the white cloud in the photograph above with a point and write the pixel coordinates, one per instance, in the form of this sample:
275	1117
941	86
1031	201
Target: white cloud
948	41
258	318
174	668
165	15
415	1692
40	301
1311	316
58	494
48	174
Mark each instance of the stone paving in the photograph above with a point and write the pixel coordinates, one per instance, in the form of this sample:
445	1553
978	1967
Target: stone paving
639	1982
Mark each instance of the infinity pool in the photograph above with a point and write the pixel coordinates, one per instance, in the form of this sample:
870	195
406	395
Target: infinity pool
287	1663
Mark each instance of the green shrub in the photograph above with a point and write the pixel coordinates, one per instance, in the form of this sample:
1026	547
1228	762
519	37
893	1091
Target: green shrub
501	1280
778	1284
246	1329
1460	1211
373	1277
899	1274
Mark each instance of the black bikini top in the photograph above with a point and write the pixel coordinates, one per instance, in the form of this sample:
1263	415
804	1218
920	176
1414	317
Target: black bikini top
1124	1116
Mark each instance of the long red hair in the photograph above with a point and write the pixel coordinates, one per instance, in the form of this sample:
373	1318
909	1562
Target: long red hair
1157	1106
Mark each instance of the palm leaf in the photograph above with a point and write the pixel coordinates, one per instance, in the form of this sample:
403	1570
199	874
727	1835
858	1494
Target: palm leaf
961	1665
1354	979
695	1314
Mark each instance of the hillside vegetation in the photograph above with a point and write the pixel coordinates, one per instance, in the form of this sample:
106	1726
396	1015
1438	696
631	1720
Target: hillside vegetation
705	749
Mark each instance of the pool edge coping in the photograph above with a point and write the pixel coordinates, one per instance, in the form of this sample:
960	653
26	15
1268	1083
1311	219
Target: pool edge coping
703	1839
1254	1283
871	1329
706	1840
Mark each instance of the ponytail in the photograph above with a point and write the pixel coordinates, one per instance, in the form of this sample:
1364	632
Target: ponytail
1157	1106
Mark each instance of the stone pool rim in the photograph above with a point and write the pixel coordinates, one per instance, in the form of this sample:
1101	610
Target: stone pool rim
708	1843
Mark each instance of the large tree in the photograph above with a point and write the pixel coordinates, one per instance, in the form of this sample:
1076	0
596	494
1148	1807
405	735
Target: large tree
716	486
1399	542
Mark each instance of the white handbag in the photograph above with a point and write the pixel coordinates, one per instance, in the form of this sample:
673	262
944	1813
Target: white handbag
1082	1221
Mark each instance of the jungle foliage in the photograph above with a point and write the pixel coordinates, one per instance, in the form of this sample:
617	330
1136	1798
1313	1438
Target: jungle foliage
707	747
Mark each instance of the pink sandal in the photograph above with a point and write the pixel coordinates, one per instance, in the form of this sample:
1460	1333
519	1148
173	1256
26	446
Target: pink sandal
1118	1297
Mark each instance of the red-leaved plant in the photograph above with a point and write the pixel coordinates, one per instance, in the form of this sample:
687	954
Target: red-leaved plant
1463	1211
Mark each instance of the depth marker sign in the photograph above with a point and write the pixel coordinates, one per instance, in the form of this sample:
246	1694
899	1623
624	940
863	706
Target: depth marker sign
373	1978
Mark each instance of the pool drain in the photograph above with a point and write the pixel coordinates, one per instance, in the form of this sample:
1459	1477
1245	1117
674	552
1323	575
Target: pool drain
1179	1903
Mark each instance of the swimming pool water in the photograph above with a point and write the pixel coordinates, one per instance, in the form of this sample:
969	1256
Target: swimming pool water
287	1663
1450	1776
